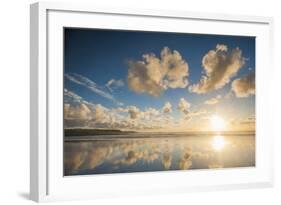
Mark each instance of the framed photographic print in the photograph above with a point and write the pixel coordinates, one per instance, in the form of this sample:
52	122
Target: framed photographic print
127	102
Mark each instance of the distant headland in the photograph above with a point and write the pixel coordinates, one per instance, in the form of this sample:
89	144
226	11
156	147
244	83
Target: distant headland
91	132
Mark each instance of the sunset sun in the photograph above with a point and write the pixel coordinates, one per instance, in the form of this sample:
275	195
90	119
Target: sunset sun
217	123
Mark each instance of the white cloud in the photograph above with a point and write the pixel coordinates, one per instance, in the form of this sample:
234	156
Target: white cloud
114	84
99	113
197	113
185	160
221	47
167	108
185	164
167	160
81	112
153	75
150	113
91	85
134	112
132	157
219	65
72	96
213	101
245	86
88	115
184	106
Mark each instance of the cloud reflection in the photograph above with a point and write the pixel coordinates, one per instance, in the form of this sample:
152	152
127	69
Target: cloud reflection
146	154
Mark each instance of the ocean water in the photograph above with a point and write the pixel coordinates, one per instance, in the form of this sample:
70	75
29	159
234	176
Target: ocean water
147	152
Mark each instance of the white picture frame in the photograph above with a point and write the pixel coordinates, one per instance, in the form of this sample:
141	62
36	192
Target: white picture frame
47	182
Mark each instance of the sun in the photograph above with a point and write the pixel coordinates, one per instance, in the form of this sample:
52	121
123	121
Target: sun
218	143
217	123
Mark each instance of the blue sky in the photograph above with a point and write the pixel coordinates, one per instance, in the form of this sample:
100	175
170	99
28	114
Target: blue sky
104	55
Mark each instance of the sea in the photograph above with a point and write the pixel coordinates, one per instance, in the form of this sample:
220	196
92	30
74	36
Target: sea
150	152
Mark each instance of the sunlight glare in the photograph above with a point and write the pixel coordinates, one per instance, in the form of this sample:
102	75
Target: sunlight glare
217	123
218	143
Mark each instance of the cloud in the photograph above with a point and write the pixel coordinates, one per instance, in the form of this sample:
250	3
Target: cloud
184	106
99	113
72	96
153	75
213	101
114	84
132	157
97	155
150	113
167	108
79	156
197	113
73	160
219	65
91	85
167	160
221	47
130	152
185	160
244	121
134	112
185	164
81	112
245	86
97	116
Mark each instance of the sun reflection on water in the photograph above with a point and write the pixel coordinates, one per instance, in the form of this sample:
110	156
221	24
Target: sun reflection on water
218	143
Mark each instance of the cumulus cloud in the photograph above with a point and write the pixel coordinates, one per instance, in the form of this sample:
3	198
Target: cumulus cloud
184	106
81	113
78	156
153	75
132	157
77	112
114	84
131	154
213	101
167	108
99	113
219	65
167	160
150	113
221	47
185	160
245	86
91	85
134	112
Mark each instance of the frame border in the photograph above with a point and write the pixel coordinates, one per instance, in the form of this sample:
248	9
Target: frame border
39	188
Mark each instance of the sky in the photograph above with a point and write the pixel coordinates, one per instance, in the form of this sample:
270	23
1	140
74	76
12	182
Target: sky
135	80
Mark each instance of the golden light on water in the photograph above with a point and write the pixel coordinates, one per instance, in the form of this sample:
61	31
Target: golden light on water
217	123
218	143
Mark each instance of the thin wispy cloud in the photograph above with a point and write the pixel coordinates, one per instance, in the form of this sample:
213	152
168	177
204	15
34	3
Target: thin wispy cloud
91	85
72	96
114	84
213	101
